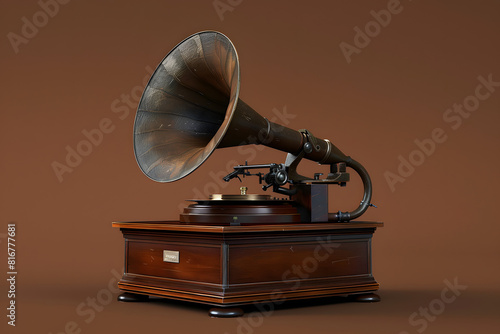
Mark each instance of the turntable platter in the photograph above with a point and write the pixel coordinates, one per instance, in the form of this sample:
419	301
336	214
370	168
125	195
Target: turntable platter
248	209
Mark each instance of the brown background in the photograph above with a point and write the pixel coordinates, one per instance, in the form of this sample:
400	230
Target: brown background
441	223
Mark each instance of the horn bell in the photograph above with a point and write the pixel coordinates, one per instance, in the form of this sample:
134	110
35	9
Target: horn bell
187	106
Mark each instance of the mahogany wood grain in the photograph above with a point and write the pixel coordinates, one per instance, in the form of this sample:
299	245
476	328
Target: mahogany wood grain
230	266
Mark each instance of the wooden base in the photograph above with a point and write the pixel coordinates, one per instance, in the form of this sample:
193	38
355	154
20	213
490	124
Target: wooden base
231	266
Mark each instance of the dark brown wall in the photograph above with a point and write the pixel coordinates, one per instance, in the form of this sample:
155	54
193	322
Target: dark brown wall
441	222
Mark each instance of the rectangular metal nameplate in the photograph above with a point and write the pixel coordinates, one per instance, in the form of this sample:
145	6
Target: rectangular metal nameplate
171	256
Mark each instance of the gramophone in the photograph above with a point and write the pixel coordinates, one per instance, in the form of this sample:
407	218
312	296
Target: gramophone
231	250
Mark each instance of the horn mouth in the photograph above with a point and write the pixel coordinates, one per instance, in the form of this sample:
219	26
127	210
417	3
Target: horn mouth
187	106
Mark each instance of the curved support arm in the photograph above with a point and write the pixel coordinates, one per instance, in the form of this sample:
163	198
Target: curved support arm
367	196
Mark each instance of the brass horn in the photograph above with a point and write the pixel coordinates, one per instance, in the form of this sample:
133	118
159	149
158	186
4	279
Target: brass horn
191	106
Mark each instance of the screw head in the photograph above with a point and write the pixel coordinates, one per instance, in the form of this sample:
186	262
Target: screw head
308	147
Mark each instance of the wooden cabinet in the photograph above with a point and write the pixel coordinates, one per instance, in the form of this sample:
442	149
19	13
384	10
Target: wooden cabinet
230	266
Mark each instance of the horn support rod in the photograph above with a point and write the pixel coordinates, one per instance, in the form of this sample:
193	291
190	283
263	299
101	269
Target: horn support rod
332	155
367	195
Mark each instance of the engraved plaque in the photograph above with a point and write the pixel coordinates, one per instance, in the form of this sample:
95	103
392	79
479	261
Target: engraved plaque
170	256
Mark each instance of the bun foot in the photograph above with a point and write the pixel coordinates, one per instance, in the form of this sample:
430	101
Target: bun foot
222	312
132	297
365	298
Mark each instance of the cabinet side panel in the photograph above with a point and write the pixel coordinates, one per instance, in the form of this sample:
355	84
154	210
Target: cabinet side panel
302	260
